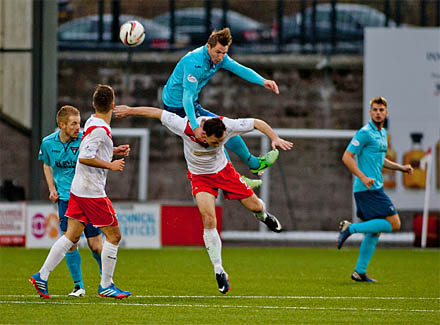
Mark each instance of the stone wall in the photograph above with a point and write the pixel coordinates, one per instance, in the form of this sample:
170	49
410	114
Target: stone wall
311	177
310	188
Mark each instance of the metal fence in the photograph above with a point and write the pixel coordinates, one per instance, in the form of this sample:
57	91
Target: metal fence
257	26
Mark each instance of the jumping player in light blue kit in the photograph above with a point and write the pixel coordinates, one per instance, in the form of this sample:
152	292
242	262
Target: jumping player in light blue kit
193	71
373	206
59	153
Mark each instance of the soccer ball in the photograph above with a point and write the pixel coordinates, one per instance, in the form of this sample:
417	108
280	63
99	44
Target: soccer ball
132	33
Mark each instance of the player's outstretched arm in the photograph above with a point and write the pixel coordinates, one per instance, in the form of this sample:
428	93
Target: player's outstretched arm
121	111
265	128
271	85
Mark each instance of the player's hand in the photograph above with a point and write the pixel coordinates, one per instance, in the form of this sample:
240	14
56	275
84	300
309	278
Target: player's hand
281	143
368	182
53	196
271	85
122	150
117	165
407	169
200	134
121	111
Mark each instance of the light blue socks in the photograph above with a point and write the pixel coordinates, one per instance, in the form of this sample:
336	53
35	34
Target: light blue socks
73	261
366	251
97	257
237	146
373	226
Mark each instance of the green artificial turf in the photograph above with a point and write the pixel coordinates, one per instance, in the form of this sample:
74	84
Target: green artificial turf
268	286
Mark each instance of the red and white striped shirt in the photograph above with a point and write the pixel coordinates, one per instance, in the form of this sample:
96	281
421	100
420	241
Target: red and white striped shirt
97	142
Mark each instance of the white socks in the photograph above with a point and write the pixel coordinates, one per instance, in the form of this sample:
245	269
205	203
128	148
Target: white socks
108	260
56	255
261	215
213	245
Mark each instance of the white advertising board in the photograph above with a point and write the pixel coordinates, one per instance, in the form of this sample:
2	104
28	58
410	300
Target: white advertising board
42	226
403	65
12	223
139	225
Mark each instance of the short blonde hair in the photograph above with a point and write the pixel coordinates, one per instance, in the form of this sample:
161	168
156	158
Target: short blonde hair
65	112
379	100
222	36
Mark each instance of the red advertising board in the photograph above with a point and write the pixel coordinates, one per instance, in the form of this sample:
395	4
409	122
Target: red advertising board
182	225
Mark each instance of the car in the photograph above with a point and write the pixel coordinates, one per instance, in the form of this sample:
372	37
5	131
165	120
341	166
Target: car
351	19
192	21
83	33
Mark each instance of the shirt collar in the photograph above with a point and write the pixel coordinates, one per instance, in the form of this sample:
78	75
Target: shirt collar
374	127
57	136
207	57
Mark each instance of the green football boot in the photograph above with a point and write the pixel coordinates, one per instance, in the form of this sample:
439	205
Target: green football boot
253	183
266	161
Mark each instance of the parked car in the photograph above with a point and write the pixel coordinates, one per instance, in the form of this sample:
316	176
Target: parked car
192	21
351	19
83	32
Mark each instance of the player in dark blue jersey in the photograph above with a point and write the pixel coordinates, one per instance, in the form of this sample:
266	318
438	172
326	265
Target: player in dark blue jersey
59	153
373	206
192	72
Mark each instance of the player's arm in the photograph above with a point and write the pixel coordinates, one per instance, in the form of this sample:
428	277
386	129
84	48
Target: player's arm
265	128
395	166
189	83
115	165
249	74
122	111
48	174
348	159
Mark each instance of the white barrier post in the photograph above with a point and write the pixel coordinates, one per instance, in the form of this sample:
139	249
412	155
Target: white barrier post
426	164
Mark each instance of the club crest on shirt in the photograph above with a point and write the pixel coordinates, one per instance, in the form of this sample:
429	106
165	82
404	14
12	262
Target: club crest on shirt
74	150
355	142
191	78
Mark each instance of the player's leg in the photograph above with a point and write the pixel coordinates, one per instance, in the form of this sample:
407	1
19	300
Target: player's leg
94	240
368	246
206	204
56	255
366	251
258	208
73	258
108	257
373	207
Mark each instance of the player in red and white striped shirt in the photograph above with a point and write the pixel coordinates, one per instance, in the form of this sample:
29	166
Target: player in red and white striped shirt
88	201
209	170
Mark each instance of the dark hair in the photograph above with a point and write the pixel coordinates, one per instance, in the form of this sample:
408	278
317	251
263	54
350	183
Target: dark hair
214	126
103	98
65	112
222	36
378	100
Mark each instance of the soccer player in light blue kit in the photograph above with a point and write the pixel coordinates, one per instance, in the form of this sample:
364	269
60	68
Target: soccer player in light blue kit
193	71
373	206
59	153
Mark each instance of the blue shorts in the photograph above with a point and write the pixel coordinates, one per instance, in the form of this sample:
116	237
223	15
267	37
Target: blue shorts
89	230
198	110
374	204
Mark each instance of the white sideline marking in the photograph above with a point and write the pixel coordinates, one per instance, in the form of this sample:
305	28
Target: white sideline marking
222	306
250	297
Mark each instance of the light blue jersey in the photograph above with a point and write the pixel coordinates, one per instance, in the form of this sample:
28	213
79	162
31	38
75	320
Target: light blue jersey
192	72
370	146
62	157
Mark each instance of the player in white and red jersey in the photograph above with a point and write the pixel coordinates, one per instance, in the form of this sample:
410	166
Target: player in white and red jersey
209	170
88	202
